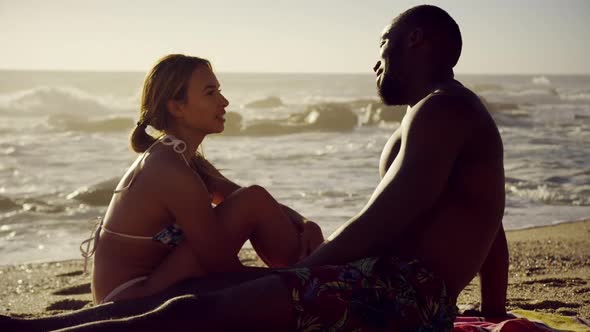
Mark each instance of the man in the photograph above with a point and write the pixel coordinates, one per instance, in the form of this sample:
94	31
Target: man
433	222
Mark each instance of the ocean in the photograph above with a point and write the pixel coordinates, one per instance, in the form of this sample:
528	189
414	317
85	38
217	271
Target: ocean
64	142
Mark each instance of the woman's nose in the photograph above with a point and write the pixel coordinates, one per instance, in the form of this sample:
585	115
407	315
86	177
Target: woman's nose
224	101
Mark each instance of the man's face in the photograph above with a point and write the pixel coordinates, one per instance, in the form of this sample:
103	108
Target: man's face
389	68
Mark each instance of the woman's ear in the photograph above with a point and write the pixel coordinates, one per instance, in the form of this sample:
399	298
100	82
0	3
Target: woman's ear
174	108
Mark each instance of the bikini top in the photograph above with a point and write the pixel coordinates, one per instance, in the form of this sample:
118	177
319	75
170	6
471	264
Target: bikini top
170	236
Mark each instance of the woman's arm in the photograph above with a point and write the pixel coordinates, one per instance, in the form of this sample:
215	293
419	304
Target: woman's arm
186	198
221	187
218	185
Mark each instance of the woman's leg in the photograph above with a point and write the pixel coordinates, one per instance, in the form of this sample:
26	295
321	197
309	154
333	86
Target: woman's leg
312	238
252	213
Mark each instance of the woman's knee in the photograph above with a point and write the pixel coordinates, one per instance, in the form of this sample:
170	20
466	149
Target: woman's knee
249	195
313	228
314	234
257	192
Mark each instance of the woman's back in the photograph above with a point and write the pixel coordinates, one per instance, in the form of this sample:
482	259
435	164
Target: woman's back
126	248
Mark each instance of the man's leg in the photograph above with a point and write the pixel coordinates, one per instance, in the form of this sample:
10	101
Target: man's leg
134	307
263	304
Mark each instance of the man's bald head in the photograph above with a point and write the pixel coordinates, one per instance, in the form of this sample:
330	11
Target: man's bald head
437	26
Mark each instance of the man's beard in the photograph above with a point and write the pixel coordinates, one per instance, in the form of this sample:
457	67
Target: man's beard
390	90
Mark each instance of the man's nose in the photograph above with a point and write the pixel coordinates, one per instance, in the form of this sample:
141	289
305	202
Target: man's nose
377	65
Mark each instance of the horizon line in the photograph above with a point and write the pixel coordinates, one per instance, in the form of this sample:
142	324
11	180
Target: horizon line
112	71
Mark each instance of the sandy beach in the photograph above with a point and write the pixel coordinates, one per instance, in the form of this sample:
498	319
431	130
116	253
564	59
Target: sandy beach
549	272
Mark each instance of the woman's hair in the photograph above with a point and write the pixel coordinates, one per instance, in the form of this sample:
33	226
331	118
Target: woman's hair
168	80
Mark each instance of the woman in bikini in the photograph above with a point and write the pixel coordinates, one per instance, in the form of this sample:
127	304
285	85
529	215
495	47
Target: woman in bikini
174	215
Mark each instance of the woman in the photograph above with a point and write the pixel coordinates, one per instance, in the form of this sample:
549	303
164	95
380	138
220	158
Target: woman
174	215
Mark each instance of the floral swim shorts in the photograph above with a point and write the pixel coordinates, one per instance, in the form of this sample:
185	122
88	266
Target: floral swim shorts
371	294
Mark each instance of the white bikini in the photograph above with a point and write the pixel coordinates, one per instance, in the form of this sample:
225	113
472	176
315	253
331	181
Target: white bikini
170	236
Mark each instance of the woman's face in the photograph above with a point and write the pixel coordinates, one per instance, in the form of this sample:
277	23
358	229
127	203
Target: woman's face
204	107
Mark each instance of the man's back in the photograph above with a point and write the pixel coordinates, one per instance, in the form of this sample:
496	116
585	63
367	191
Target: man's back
454	235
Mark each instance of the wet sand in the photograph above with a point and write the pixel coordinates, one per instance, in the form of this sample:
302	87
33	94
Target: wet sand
549	272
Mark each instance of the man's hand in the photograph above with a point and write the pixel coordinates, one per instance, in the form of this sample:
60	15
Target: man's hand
494	278
469	310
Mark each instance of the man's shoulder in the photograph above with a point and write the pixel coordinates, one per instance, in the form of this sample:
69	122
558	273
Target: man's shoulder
449	104
454	95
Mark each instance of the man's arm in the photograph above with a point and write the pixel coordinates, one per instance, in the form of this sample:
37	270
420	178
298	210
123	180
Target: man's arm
432	137
494	278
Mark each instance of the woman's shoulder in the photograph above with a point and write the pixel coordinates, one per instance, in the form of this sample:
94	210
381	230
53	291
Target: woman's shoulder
165	166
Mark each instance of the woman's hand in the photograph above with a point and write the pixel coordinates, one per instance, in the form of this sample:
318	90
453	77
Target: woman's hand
311	239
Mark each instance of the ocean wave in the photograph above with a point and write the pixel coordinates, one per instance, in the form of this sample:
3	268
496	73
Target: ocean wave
268	102
581	96
59	100
352	102
527	92
552	223
14	205
483	87
335	194
537	95
541	80
547	195
7	204
8	151
98	194
71	122
517	118
41	206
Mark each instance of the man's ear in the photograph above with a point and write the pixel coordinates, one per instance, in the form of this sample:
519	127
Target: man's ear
416	37
174	108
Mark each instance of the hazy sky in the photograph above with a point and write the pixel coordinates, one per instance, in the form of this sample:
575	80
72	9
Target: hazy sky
499	36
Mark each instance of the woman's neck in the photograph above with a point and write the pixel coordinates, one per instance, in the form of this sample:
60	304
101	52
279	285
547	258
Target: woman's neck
190	138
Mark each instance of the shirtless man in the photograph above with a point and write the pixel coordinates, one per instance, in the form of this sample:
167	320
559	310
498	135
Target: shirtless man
432	224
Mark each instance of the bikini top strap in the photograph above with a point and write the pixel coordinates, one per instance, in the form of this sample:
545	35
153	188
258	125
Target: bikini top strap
91	243
135	170
178	145
135	237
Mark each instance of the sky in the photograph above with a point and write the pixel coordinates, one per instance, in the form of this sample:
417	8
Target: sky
302	36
